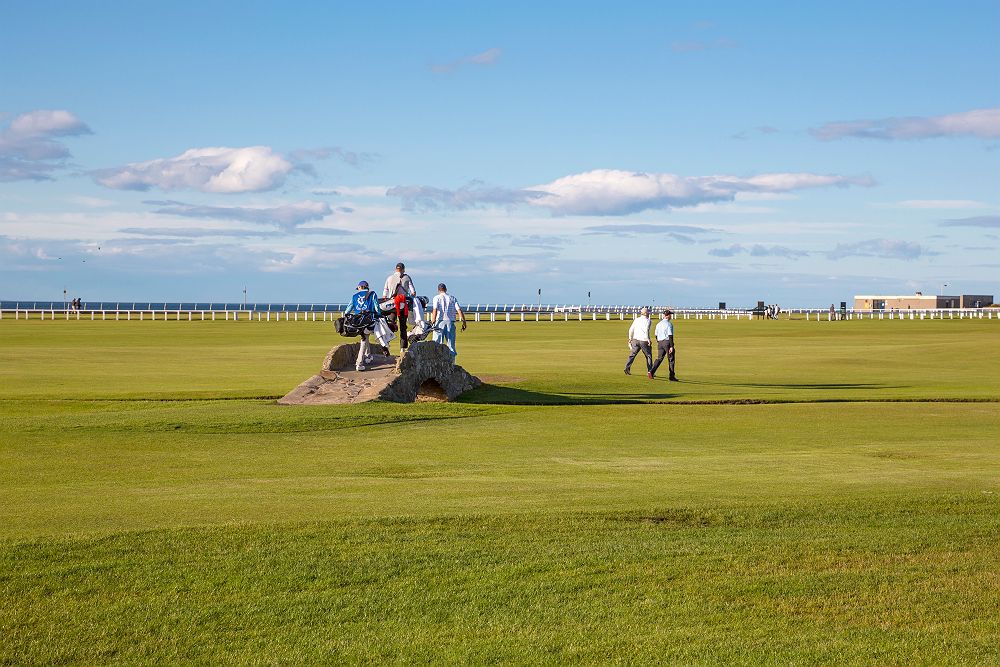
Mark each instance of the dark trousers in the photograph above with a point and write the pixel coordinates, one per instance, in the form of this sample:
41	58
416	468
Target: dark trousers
665	348
646	350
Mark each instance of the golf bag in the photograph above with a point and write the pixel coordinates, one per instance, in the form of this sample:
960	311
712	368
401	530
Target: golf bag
354	324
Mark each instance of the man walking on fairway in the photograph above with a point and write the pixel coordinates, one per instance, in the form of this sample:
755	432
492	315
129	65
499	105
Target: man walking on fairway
665	343
445	311
638	339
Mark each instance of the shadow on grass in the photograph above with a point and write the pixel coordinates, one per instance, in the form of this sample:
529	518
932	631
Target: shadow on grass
489	394
498	394
801	385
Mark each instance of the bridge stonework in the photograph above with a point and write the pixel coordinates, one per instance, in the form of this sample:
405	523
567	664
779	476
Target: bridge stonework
424	372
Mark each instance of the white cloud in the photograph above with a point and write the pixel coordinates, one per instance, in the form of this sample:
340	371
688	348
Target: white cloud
91	202
616	192
881	248
353	191
612	192
487	57
980	123
219	169
286	216
29	149
989	221
940	204
473	195
55	123
758	250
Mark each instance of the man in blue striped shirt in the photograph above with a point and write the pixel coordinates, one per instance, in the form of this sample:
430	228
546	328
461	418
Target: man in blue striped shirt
446	311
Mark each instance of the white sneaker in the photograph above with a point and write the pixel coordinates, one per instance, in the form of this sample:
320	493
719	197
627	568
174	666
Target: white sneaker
360	368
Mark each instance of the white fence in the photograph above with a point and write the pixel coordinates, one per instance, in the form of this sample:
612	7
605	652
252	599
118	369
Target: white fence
816	315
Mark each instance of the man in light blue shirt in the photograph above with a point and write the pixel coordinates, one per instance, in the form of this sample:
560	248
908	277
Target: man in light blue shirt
665	343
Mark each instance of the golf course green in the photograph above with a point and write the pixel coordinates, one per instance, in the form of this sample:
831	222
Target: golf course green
810	492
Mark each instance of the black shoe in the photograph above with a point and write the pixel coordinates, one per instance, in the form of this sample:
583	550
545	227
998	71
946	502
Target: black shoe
628	372
673	379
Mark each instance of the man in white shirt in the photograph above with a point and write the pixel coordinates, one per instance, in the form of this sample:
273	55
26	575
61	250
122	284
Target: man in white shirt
665	343
638	339
443	316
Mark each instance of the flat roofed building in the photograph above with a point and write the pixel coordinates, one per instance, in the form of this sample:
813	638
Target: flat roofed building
977	300
920	301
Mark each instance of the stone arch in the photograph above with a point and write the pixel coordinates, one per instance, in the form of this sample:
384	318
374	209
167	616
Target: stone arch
431	391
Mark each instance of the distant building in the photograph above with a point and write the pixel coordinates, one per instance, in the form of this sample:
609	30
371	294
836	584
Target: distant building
920	301
977	300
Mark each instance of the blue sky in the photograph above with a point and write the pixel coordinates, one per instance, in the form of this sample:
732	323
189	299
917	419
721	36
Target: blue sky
686	153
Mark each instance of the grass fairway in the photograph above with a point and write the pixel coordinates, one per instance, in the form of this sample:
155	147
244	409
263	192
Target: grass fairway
811	492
